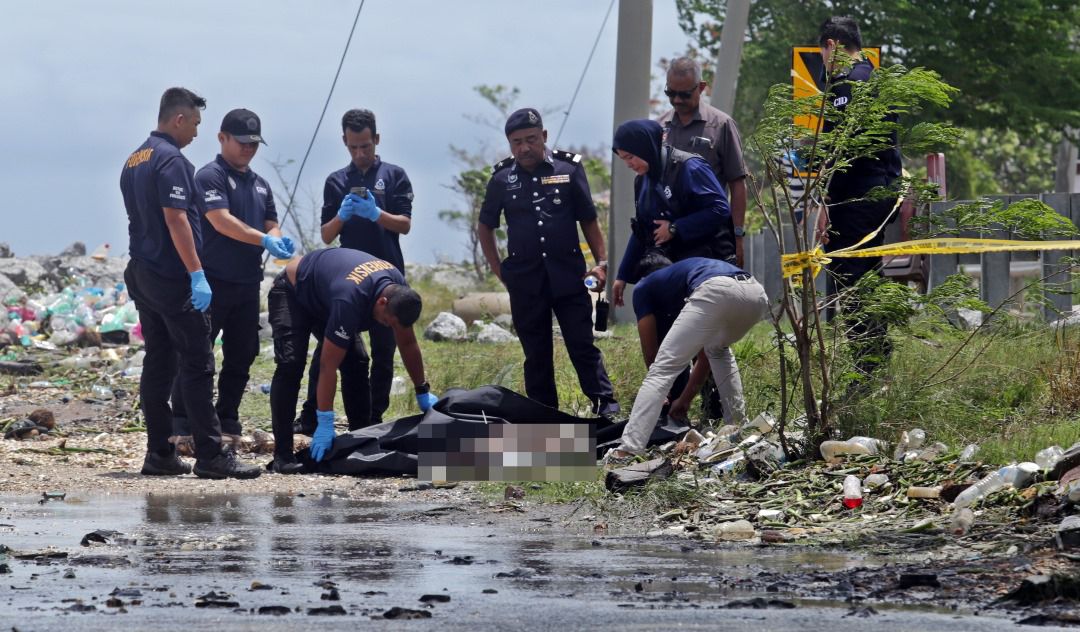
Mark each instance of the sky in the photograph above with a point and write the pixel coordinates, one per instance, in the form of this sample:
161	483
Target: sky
81	84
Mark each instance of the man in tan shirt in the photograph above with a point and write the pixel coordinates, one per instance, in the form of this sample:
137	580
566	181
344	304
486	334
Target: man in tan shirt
700	128
706	131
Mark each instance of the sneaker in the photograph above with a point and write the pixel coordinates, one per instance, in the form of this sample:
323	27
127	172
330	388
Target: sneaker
225	465
157	465
285	465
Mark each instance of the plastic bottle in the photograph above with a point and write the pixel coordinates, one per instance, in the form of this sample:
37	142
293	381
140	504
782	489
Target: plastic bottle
873	481
103	393
852	492
961	521
924	492
1019	475
969	452
909	440
831	450
592	282
987	485
1047	458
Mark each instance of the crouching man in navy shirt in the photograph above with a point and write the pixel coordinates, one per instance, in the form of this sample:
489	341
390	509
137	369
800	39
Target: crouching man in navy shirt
334	294
166	280
240	221
722	303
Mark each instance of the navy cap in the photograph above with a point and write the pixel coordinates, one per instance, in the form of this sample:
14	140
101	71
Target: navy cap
522	119
243	125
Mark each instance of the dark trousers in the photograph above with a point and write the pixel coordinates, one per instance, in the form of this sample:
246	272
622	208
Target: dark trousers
234	313
354	379
292	327
531	314
176	334
868	335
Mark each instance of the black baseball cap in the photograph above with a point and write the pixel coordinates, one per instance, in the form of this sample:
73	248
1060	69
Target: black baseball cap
522	119
243	125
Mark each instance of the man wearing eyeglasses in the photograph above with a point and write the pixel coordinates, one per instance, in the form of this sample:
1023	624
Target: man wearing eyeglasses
700	128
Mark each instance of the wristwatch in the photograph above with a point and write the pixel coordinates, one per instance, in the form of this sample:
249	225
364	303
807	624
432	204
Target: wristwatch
671	229
739	231
423	389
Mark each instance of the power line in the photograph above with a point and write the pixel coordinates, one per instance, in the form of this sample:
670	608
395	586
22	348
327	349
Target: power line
300	171
583	71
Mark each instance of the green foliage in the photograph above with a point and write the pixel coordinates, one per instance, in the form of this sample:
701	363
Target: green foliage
1027	219
471	185
989	161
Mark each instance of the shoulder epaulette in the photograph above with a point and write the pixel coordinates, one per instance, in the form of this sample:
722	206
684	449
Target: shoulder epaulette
502	164
565	155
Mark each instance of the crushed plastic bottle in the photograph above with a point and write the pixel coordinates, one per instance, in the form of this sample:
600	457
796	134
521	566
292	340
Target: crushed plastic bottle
961	522
852	492
1047	458
910	440
969	452
873	481
103	393
728	467
1019	475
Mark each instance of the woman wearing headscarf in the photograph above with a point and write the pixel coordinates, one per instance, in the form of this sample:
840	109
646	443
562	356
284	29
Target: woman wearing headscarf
682	210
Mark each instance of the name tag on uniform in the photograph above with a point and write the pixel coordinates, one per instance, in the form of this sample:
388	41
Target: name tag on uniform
560	179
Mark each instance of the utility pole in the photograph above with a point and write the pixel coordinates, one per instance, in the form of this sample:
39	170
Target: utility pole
732	34
1065	178
633	56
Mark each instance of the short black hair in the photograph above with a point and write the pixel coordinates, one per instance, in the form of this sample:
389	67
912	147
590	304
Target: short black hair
358	121
651	262
404	303
844	30
176	99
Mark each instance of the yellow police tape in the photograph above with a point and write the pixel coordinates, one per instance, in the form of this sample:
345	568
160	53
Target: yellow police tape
793	264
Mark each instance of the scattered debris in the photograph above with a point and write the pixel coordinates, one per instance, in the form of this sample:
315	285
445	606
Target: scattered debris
101	536
638	474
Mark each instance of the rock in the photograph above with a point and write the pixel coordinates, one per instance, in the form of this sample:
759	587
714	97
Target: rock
517	573
514	492
76	249
914	580
506	321
446	326
965	319
43	417
5	251
1068	533
406	613
331	595
734	530
435	598
25	272
760	603
492	333
638	474
334	610
274	610
101	536
1037	588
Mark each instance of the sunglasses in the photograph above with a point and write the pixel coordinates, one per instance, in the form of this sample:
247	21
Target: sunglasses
682	94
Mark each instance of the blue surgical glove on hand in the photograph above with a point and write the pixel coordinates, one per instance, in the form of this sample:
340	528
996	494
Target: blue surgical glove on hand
323	438
365	207
200	291
348	207
426	401
280	247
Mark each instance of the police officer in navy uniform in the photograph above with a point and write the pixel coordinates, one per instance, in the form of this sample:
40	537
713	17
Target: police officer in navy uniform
166	280
240	221
849	215
544	197
334	294
376	233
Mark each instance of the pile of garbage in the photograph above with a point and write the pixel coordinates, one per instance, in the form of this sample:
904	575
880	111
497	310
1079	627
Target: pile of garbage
747	490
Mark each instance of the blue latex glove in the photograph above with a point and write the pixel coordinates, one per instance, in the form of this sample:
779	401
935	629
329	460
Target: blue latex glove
426	401
279	247
200	291
365	207
348	207
323	438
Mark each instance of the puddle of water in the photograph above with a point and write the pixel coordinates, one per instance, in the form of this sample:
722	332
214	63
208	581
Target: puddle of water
176	548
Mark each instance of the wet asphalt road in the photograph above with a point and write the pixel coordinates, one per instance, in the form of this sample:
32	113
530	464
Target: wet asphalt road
213	562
